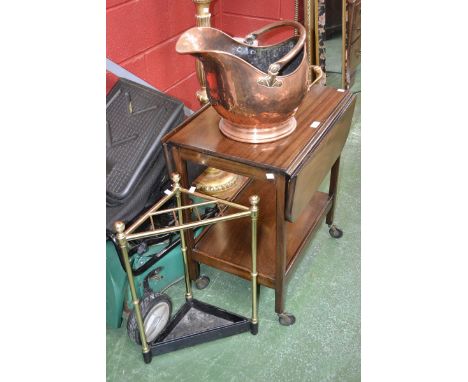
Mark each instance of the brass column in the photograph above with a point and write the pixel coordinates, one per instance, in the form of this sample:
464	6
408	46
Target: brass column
122	240
212	181
183	246
254	199
203	19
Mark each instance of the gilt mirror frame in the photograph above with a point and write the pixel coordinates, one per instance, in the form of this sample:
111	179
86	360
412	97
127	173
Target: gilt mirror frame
311	13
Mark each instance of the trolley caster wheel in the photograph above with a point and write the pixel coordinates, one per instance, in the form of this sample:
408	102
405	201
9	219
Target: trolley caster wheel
156	312
335	232
202	282
286	319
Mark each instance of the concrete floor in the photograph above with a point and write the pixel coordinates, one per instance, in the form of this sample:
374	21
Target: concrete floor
323	294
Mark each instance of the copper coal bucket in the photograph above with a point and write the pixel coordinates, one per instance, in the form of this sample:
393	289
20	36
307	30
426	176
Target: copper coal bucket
255	89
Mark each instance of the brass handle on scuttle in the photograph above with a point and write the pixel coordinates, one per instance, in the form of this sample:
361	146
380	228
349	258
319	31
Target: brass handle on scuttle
275	67
318	73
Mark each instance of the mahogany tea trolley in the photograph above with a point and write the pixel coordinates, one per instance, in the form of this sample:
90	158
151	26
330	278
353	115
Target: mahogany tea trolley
285	174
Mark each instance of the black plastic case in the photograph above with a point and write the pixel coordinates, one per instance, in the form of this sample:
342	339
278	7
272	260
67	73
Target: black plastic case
137	117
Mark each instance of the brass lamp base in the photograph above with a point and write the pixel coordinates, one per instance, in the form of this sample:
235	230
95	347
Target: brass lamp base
212	181
216	182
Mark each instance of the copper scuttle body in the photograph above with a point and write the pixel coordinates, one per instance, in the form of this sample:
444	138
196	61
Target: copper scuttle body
255	89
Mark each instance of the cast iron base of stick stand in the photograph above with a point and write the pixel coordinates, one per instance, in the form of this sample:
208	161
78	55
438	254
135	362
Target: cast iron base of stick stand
197	322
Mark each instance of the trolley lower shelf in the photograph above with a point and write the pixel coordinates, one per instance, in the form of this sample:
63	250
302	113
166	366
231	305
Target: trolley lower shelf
226	246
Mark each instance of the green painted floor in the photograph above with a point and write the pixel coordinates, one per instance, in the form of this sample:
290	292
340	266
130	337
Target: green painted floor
323	294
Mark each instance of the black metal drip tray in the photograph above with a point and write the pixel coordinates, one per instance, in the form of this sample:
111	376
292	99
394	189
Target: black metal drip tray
197	322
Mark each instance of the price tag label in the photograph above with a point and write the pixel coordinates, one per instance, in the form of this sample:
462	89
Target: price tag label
270	176
315	124
167	192
192	189
340	90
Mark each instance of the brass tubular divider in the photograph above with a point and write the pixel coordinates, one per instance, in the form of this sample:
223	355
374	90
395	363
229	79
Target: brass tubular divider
214	199
122	240
188	285
160	231
254	199
181	208
148	213
197	213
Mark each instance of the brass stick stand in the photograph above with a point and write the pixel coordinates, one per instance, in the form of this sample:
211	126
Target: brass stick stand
212	181
239	324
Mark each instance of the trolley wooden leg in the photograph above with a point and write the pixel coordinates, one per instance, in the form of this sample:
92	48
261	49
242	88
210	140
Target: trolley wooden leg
334	231
168	159
332	191
280	282
280	244
181	168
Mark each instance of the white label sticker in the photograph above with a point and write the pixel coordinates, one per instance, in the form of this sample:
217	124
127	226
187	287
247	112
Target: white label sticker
167	192
270	176
340	90
315	124
192	189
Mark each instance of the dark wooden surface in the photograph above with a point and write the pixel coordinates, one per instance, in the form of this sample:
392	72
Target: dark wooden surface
317	164
286	155
291	160
226	245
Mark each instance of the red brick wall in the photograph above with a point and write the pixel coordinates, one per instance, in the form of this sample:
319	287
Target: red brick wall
240	17
141	37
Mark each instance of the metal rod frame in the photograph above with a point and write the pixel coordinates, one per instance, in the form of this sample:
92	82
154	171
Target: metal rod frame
124	236
160	212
